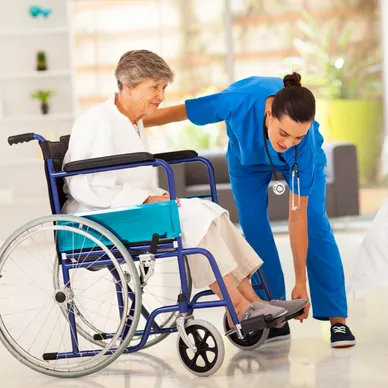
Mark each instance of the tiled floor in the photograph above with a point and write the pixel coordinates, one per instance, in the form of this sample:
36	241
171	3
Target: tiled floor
306	361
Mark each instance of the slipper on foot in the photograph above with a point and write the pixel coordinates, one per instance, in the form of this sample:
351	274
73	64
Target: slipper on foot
257	308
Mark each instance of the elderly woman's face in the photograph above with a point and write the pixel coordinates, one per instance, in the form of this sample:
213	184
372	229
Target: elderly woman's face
147	95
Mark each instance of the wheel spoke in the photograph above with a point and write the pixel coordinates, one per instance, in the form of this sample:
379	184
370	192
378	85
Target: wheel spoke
194	360
197	338
206	360
205	338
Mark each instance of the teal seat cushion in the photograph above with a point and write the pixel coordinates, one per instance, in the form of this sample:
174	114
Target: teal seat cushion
131	225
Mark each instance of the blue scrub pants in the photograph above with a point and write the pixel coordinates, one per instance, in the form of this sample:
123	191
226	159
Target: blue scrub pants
324	265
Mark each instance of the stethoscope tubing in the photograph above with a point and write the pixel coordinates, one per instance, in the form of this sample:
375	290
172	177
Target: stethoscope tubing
279	188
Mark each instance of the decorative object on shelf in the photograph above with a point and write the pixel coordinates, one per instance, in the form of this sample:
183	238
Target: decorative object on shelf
41	64
43	96
36	10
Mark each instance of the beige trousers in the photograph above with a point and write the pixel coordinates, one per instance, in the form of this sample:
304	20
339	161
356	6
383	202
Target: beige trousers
231	251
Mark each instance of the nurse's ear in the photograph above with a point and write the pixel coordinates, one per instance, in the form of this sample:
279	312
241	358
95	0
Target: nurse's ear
268	115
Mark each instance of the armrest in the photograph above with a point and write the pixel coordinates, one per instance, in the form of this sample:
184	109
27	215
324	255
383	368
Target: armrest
108	161
176	155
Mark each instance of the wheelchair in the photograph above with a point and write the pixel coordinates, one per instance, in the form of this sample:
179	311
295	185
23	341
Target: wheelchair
77	291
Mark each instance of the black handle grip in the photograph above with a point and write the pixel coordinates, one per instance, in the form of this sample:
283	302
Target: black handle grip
154	243
24	137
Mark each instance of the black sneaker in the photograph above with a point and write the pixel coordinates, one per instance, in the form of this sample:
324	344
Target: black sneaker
280	334
341	336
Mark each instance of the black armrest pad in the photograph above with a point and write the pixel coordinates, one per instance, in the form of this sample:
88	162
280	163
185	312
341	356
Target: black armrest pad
108	161
176	155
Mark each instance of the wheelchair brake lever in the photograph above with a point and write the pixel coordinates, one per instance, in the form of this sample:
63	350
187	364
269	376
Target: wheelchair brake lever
147	261
147	267
154	243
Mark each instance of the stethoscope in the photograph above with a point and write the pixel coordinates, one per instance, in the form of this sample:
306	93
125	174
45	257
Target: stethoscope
279	188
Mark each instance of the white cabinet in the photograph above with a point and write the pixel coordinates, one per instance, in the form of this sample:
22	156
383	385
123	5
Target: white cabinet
22	36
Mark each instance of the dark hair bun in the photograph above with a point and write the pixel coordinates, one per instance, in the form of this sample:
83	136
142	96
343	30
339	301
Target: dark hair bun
291	80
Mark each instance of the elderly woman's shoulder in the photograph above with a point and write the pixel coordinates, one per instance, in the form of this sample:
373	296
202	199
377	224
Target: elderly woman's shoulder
94	114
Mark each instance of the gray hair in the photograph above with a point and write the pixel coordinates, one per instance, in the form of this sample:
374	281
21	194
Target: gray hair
137	65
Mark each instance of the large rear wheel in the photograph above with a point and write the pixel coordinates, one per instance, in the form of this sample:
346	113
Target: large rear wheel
33	325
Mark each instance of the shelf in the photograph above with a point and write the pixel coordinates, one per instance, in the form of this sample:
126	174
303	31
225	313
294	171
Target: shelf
24	202
21	163
34	31
48	117
37	74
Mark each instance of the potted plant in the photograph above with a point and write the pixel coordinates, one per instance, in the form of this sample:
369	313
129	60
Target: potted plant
346	81
41	61
43	96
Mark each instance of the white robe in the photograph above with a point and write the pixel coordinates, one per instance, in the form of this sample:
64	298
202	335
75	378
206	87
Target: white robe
371	270
104	131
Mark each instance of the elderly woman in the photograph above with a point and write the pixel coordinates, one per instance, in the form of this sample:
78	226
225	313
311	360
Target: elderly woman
115	127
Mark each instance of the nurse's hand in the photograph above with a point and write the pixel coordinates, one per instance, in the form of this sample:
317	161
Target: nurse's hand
300	292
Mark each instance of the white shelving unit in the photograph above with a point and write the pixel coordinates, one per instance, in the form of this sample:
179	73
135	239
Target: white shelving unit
36	74
34	31
39	118
23	192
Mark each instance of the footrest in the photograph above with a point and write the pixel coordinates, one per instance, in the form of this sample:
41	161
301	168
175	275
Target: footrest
260	322
297	314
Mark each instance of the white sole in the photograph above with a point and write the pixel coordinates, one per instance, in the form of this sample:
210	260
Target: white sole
343	344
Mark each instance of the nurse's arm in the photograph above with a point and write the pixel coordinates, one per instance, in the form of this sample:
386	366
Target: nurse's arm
297	226
166	115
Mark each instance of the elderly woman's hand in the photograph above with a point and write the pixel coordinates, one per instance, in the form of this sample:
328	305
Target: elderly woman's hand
160	198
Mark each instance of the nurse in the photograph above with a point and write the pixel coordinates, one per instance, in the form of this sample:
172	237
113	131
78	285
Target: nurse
271	128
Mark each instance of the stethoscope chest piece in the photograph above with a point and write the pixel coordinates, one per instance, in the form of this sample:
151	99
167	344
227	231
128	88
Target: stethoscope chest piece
279	188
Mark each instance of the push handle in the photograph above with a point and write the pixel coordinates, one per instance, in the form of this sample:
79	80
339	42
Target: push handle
154	243
24	137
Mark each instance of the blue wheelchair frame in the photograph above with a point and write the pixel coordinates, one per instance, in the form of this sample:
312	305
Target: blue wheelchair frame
183	306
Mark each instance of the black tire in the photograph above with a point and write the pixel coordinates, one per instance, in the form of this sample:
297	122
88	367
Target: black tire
200	332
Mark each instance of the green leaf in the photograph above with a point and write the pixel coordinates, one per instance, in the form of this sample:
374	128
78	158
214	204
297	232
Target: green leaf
344	38
42	95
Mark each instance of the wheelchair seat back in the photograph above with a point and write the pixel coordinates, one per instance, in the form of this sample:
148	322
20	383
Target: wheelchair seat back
55	150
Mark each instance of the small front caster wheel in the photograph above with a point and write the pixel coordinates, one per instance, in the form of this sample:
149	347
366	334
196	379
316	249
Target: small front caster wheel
210	348
251	341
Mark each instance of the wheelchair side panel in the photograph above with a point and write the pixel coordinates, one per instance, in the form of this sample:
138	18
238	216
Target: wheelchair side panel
131	225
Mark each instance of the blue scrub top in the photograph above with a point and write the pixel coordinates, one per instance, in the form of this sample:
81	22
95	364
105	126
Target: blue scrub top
242	107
